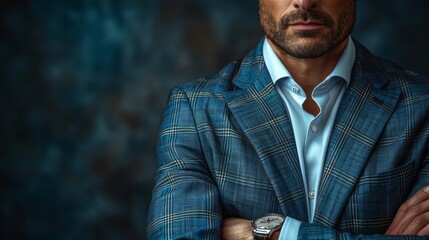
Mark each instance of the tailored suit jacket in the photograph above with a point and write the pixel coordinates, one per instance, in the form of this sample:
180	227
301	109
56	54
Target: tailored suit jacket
226	149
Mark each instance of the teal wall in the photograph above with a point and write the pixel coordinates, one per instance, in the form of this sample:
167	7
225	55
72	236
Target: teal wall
83	85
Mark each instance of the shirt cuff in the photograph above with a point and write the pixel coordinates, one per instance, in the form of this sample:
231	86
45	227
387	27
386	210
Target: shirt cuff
290	229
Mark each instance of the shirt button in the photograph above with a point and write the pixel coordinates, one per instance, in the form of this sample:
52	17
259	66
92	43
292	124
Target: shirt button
314	128
311	194
295	89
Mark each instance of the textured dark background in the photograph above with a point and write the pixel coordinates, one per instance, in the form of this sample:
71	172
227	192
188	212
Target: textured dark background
83	85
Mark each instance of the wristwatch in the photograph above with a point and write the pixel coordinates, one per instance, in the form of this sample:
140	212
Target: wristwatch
264	226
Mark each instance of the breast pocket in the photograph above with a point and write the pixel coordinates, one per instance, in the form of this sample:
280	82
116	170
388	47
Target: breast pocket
395	180
377	197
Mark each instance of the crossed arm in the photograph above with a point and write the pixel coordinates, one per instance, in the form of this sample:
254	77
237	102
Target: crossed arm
412	218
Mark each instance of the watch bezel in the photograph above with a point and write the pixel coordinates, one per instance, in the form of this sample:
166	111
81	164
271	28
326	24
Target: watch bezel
261	231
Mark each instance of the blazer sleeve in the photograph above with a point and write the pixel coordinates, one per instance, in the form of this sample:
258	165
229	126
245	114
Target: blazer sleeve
309	231
185	202
314	232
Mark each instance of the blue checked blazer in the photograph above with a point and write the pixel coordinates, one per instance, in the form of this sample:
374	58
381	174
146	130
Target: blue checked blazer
226	149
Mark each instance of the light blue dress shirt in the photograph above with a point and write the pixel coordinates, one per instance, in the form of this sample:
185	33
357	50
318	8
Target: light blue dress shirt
312	133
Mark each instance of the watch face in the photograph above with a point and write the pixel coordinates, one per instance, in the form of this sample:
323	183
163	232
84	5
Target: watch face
269	222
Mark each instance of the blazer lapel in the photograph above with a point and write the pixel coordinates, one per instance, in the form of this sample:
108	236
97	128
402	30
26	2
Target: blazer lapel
260	112
362	115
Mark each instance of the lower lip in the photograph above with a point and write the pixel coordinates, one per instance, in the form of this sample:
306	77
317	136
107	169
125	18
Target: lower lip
306	26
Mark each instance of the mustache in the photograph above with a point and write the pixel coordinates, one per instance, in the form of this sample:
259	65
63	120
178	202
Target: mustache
305	15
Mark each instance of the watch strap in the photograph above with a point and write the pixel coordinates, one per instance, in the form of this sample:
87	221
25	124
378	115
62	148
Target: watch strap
260	237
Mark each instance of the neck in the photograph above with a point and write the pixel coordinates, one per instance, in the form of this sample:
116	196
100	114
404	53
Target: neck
308	73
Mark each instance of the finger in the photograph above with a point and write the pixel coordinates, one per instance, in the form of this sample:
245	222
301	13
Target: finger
415	225
424	231
400	216
416	218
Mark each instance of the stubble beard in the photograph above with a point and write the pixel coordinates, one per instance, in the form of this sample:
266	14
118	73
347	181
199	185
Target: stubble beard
308	44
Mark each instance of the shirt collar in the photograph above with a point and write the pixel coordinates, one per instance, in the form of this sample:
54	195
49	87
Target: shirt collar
343	69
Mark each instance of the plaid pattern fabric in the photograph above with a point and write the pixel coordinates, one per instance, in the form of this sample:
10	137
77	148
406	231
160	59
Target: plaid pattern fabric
226	149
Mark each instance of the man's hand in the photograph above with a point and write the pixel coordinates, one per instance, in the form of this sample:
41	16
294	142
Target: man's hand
412	217
240	229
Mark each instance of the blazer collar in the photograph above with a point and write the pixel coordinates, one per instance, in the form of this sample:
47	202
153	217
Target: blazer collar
253	72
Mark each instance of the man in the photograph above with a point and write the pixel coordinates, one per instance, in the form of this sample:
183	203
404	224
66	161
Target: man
310	132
